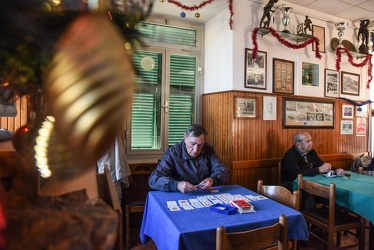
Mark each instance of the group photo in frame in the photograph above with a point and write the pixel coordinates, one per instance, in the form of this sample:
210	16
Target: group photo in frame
255	70
307	113
350	83
332	83
283	76
245	107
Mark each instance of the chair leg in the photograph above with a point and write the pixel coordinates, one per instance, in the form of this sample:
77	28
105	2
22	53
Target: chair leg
362	234
338	238
128	236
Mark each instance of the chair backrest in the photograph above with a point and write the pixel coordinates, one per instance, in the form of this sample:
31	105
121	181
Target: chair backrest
259	238
280	194
138	180
313	188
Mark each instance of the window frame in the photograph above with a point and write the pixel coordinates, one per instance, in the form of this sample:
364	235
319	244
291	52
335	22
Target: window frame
166	50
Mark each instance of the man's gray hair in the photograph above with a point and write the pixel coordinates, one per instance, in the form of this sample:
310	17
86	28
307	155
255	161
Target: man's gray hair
299	136
195	130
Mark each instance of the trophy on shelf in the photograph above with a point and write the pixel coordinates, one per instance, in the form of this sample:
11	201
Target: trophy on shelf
286	18
341	26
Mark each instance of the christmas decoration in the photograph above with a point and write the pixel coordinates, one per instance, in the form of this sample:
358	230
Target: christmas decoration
284	42
183	15
367	61
197	7
358	104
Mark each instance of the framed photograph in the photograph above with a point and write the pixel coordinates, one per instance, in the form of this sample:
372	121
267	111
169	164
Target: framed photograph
319	32
245	107
332	83
310	74
307	113
283	76
347	111
255	70
362	111
350	84
346	127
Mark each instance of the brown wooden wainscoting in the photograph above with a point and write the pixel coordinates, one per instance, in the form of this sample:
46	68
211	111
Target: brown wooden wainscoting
247	173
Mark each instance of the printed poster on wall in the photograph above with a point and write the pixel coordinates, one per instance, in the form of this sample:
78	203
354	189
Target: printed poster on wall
361	126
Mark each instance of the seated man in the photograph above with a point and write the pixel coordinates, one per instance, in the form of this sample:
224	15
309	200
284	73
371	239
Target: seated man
190	164
301	158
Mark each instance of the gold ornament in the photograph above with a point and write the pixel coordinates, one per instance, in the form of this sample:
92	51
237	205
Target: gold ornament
197	15
162	1
88	88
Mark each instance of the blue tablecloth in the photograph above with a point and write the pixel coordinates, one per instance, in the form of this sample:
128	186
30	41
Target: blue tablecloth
356	193
196	228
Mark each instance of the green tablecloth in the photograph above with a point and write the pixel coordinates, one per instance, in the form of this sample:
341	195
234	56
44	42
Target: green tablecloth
356	194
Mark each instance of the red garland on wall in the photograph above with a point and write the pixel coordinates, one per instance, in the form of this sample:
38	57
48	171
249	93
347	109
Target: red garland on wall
357	65
202	4
284	42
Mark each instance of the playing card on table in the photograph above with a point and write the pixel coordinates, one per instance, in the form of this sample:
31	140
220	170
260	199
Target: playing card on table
172	205
196	203
185	204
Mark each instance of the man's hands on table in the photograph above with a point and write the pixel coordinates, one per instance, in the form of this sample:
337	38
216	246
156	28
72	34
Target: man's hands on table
186	187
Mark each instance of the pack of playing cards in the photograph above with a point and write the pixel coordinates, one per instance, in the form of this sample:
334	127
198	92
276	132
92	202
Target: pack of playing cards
243	206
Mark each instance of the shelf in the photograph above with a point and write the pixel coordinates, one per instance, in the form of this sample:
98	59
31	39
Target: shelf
288	36
355	54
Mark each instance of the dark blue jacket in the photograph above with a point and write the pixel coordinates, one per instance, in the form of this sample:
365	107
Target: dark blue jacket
177	165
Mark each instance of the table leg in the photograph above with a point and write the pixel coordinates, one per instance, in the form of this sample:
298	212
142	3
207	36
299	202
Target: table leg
371	236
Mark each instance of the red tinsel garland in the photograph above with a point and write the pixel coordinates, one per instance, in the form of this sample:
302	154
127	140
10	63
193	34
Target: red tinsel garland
284	42
192	7
231	13
357	65
196	7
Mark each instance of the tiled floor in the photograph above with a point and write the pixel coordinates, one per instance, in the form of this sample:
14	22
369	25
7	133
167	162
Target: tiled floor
314	244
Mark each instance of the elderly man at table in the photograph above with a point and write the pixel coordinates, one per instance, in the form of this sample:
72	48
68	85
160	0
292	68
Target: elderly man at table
189	165
301	158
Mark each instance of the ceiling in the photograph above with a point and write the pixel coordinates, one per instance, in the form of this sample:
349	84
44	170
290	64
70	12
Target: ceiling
350	10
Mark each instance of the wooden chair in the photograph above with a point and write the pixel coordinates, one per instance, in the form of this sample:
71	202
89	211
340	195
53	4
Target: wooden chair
136	194
329	219
260	238
281	195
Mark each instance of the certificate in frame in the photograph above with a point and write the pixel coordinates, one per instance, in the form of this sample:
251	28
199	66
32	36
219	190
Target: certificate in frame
283	76
319	32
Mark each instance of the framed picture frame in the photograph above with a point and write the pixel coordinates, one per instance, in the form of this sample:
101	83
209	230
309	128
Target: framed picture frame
346	127
350	83
255	70
245	107
283	76
310	74
308	113
332	83
347	111
319	32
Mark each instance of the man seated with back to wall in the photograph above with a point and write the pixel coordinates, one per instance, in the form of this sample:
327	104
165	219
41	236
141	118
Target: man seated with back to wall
301	158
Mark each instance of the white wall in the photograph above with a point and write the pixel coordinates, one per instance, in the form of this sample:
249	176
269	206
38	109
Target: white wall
218	54
225	47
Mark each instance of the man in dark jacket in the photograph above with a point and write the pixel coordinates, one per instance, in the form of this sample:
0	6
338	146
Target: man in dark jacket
301	158
189	165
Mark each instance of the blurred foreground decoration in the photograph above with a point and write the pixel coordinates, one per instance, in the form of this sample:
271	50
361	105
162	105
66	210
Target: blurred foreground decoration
86	82
88	87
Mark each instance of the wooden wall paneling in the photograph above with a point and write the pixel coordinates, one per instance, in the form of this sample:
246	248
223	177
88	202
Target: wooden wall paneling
252	139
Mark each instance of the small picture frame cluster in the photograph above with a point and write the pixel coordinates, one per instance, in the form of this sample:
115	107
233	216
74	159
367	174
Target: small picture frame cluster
283	76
